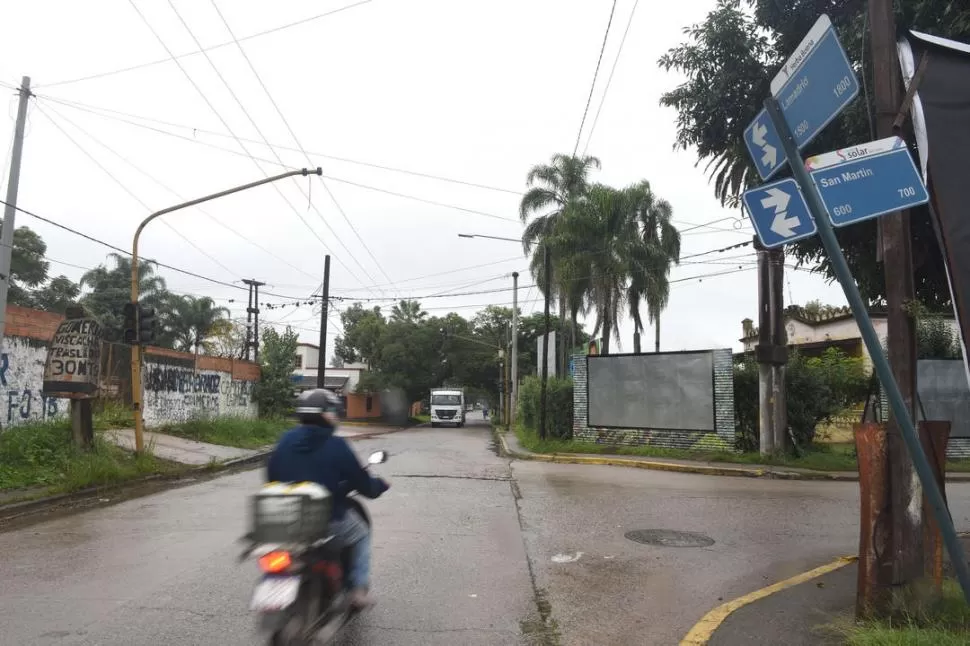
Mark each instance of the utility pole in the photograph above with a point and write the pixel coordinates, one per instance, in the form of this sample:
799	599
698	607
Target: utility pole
252	319
515	342
10	210
546	271
249	323
897	255
779	395
771	352
324	312
766	434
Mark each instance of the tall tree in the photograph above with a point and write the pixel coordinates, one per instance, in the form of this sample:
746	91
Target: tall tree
194	319
728	61
56	296
360	341
601	235
110	288
408	311
28	268
277	358
226	339
650	261
553	189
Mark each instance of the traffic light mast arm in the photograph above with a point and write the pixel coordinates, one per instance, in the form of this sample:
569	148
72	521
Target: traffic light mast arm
135	349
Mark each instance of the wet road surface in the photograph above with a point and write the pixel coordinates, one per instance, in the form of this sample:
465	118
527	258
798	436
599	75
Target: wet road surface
458	541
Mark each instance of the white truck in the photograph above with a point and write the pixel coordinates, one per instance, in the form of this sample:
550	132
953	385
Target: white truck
447	407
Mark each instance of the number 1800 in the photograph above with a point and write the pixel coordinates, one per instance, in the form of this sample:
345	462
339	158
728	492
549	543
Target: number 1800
909	191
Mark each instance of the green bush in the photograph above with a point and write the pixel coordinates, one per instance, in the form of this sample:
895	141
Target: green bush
559	406
817	389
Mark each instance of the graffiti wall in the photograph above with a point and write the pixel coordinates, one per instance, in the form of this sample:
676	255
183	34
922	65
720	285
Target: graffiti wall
174	391
21	380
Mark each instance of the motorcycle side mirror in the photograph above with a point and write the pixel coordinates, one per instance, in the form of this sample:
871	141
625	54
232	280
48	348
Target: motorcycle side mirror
377	457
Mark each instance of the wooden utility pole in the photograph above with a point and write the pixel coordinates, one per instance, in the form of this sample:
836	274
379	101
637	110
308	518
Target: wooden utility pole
897	254
324	315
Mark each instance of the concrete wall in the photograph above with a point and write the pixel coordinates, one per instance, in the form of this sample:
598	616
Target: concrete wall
175	386
177	389
21	378
721	439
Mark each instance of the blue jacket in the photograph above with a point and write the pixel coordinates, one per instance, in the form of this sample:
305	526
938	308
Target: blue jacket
315	454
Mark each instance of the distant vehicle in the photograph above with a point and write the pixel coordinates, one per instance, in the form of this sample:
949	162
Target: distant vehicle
447	407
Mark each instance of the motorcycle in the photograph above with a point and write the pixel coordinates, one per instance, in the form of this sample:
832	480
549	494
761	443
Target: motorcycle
302	596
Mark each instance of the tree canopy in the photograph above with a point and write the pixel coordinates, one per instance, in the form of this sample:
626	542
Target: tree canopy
728	61
416	352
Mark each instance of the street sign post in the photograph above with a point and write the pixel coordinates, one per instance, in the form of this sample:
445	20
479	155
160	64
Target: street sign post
874	346
867	181
779	213
813	87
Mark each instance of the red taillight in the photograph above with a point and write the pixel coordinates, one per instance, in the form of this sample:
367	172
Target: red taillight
275	562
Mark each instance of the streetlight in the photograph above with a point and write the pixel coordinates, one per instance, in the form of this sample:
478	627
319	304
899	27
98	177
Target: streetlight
515	322
135	348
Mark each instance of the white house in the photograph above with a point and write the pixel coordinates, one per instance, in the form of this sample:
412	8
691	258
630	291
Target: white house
836	330
341	380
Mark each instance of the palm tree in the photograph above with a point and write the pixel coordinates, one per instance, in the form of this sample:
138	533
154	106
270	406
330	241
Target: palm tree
194	320
110	288
599	234
554	188
408	311
651	260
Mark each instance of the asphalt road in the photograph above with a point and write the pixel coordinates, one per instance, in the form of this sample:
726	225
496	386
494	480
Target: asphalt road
468	549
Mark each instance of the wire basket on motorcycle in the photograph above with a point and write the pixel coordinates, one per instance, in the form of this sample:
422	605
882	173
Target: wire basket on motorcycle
290	513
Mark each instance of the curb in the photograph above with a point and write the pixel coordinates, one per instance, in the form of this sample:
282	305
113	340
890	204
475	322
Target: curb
704	629
24	507
701	469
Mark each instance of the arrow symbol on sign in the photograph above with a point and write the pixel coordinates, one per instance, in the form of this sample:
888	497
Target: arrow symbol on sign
782	224
770	156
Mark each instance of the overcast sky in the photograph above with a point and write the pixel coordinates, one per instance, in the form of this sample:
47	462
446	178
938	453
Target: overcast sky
463	89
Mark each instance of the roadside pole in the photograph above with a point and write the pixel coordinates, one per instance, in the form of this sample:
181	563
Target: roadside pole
515	343
881	364
324	314
136	394
10	209
906	498
546	272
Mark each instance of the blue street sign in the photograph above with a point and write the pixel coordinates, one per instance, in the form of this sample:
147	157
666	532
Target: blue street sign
779	213
813	87
764	145
867	181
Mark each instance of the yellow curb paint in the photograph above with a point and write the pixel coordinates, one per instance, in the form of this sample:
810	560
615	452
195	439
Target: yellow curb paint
704	629
702	469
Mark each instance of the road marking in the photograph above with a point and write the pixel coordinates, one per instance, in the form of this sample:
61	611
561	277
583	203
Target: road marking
704	629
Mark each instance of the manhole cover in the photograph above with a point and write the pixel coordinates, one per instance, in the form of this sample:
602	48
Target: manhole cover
669	538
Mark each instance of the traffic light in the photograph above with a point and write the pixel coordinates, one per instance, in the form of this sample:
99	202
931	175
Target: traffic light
146	325
131	323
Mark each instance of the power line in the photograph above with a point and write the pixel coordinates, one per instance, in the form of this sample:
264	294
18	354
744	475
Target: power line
128	253
139	66
595	74
97	110
100	110
178	195
238	141
289	129
129	191
609	80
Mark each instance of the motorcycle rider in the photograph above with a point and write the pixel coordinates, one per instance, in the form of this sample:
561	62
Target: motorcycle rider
311	452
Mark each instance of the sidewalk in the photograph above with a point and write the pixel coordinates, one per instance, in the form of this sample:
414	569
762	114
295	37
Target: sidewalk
190	452
515	449
807	614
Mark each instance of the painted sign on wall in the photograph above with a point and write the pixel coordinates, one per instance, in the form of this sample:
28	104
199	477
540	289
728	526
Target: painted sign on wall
178	393
73	366
22	378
